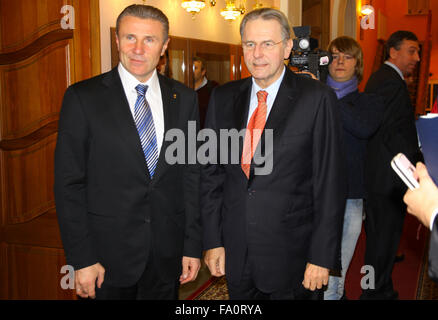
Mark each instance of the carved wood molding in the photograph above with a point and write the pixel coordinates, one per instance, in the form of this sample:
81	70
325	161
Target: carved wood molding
32	37
35	47
30	139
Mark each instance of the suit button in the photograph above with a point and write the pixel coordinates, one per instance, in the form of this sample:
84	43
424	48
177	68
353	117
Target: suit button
147	220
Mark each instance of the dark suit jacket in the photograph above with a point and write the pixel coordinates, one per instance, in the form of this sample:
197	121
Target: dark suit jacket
293	215
203	99
361	115
109	210
397	133
433	252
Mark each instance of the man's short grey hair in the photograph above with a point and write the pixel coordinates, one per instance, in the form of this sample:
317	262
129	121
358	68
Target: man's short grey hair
268	14
145	12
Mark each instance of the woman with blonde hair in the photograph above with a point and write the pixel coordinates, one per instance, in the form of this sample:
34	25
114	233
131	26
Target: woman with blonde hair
361	116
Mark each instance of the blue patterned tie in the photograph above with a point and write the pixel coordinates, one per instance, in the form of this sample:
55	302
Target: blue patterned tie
146	130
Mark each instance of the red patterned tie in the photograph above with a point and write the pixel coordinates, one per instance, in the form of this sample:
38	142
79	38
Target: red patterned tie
254	131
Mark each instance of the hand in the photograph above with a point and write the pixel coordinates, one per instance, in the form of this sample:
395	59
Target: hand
215	261
315	277
422	201
85	280
190	270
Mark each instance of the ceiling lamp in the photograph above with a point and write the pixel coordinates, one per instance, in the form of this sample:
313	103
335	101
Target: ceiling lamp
231	12
193	6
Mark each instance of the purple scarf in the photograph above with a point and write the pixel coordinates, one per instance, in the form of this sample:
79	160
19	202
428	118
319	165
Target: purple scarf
342	88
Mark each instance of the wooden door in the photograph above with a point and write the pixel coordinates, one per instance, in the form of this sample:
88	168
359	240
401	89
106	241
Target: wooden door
316	13
222	59
40	55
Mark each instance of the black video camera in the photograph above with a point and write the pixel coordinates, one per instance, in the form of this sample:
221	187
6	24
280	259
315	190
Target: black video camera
305	55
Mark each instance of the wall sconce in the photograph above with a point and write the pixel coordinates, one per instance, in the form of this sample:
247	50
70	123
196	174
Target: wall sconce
231	11
194	6
366	10
367	18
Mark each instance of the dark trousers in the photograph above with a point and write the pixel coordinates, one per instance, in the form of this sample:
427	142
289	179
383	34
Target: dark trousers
149	287
383	227
246	289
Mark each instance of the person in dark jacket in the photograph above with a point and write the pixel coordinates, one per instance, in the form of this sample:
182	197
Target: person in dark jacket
202	86
361	114
385	210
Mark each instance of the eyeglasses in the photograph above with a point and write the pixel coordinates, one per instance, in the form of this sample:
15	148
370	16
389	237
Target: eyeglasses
265	45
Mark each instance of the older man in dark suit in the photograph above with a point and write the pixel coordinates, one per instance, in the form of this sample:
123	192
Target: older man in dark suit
275	235
384	206
129	221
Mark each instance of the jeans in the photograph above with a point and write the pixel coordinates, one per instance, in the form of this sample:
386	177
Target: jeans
350	234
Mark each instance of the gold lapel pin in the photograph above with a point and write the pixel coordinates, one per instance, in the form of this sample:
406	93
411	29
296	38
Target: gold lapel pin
174	95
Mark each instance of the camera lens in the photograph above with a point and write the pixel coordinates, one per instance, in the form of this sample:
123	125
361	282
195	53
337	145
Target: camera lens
304	44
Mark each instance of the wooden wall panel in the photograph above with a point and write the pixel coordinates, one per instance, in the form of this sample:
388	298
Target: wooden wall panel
28	182
25	279
4	288
34	91
41	232
27	20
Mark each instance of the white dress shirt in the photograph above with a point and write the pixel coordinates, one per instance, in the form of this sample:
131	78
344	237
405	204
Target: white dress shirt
395	68
272	91
432	218
153	96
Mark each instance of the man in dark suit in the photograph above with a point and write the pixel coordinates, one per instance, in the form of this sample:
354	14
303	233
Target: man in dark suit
203	86
128	219
275	235
423	203
384	206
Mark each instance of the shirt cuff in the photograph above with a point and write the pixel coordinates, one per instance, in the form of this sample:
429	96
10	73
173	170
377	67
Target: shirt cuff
432	218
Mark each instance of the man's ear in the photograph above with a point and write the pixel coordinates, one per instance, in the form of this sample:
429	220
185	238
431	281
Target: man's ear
117	42
163	51
393	53
288	48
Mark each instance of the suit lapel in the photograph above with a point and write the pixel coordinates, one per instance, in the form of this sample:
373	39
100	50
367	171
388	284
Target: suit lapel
118	107
170	99
241	104
394	74
283	104
241	109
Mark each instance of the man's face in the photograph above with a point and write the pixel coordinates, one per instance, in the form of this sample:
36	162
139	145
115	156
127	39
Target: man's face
140	43
264	62
198	73
407	57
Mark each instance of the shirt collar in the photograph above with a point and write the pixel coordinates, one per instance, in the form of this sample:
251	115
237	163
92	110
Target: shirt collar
204	82
395	68
272	89
130	82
